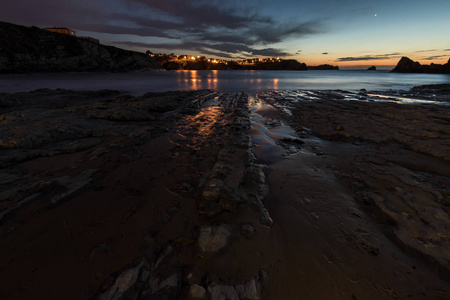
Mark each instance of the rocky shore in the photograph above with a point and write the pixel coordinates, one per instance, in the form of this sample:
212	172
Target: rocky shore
209	195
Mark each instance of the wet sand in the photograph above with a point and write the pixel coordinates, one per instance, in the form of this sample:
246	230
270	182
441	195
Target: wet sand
207	195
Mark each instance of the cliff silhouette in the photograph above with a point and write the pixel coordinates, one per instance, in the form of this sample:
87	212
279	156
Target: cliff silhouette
30	49
407	65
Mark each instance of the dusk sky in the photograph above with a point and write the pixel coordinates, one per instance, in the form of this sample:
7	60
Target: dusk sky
338	32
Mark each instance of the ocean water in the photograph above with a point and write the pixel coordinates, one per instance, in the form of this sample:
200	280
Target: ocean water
138	83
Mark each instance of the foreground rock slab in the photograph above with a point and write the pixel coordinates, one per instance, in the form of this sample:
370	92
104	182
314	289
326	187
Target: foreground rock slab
140	197
208	195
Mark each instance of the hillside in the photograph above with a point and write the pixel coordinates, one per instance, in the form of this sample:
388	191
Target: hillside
30	49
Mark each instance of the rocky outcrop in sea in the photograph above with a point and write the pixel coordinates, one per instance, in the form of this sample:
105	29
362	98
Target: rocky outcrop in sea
30	49
407	65
323	67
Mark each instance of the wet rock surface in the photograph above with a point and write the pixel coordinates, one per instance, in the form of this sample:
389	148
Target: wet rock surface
140	197
213	239
391	158
208	195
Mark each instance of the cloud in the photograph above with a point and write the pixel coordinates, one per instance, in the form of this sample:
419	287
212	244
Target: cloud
270	52
198	13
433	57
216	29
167	46
227	50
421	51
370	57
274	33
65	13
231	28
214	53
192	46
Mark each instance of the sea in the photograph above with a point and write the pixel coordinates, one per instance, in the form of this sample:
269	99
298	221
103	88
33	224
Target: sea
139	83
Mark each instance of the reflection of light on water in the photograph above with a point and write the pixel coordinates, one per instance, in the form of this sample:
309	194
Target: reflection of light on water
188	80
194	83
194	80
212	83
212	80
275	83
254	102
201	127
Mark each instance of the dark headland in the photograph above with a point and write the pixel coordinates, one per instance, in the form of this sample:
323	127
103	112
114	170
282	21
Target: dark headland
31	49
407	65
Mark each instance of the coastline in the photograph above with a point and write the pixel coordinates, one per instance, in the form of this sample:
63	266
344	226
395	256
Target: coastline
208	194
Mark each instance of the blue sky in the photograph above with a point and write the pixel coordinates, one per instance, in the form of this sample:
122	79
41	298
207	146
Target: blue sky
339	32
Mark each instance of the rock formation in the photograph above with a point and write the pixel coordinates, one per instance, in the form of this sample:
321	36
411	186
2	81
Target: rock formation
30	49
372	68
406	65
323	67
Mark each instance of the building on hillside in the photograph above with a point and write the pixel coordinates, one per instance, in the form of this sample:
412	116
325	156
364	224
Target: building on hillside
61	30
